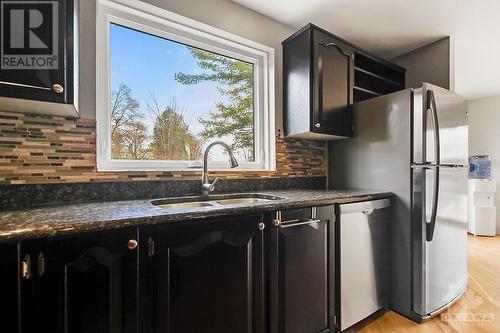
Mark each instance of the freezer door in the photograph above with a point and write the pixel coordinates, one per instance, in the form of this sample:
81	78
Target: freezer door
438	111
440	265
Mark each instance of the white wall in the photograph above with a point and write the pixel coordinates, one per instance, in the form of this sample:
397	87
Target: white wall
484	136
222	14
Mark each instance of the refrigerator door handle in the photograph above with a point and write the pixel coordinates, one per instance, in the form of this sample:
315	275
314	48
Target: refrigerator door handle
431	107
430	225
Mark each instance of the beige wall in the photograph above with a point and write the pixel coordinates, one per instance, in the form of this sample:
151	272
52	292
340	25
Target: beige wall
432	63
484	136
222	14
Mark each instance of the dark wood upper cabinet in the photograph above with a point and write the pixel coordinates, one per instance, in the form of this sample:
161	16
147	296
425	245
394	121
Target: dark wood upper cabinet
85	283
39	71
323	75
207	277
301	271
332	88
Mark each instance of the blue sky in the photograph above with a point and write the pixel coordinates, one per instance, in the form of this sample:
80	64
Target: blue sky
147	64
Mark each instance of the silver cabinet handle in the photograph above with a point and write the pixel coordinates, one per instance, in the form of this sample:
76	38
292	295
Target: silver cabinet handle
57	88
151	247
295	223
261	226
277	219
24	85
41	264
26	267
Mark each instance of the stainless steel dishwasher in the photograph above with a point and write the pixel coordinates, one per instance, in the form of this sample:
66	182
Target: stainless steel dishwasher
363	252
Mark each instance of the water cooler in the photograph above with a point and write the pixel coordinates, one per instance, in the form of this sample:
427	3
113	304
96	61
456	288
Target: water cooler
482	210
481	197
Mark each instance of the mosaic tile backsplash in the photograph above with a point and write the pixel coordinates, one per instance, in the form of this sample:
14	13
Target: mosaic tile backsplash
39	149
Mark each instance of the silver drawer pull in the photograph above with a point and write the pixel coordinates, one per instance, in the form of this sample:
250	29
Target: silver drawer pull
295	223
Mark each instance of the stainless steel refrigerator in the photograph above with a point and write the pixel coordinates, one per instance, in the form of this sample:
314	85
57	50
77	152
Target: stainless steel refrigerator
414	144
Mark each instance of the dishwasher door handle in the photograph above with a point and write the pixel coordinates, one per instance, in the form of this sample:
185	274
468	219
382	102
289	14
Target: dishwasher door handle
365	207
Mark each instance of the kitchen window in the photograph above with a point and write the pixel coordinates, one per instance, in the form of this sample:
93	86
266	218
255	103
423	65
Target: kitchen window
168	86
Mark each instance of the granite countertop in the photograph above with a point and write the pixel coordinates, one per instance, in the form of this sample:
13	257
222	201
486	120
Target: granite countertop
74	218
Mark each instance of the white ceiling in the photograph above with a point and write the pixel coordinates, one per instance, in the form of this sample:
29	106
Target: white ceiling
392	27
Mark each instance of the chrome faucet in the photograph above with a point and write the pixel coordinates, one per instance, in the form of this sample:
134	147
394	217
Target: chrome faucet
206	186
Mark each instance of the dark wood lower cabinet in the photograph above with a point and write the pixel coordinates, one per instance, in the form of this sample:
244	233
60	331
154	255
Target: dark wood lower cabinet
208	277
9	287
301	271
86	283
243	274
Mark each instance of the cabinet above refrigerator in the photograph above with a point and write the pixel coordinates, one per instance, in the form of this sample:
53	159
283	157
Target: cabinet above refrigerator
323	75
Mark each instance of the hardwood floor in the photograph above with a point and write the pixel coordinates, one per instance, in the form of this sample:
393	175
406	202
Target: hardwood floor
477	311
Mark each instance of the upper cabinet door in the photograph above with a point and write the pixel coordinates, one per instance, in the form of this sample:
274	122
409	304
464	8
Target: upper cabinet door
333	83
318	72
39	53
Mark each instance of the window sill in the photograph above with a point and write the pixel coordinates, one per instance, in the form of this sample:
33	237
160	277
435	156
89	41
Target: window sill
144	166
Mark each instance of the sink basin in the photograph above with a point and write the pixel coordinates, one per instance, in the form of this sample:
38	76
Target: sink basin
213	200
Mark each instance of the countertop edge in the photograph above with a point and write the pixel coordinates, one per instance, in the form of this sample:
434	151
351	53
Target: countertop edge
58	230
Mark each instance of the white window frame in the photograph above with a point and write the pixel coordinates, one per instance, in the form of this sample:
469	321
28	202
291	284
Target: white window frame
156	21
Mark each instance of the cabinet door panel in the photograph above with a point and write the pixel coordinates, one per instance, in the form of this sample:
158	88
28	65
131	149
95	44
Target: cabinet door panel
301	275
9	279
42	295
334	84
86	284
93	288
209	280
218	276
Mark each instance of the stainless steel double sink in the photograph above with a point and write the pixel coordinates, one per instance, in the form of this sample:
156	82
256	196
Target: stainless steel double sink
213	200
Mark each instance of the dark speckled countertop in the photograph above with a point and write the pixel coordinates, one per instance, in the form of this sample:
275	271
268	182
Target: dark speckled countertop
75	218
